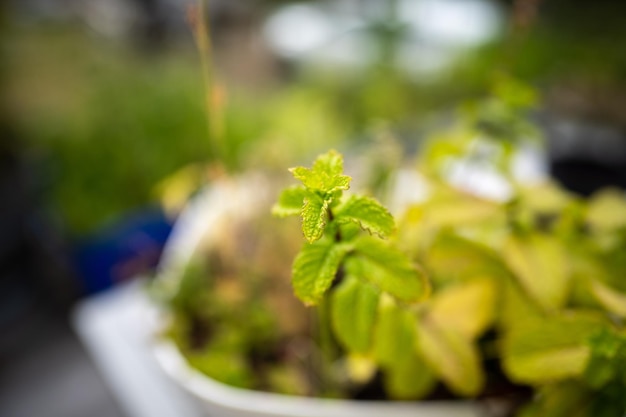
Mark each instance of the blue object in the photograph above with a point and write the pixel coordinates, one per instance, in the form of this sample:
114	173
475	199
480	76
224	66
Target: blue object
122	250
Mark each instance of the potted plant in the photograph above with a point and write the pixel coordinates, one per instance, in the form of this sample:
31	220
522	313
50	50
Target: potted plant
517	300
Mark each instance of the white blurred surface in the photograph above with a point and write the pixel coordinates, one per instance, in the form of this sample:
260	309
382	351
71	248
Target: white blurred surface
340	33
115	328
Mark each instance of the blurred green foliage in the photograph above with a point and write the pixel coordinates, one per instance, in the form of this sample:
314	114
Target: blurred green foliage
110	122
107	124
101	120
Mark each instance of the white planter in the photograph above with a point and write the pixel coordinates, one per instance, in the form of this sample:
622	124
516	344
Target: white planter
220	400
193	231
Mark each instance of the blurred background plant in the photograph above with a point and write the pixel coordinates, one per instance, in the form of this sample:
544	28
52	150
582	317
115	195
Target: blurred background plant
107	96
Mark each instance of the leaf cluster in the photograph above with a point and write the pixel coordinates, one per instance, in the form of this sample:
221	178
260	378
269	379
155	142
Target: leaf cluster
351	263
557	301
532	282
332	225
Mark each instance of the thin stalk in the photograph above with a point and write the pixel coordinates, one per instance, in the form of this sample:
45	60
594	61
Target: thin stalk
331	218
214	96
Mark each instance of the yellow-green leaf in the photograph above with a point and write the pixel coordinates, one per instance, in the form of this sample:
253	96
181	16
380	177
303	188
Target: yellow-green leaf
394	332
468	307
330	163
227	366
547	197
449	207
549	349
549	365
367	213
353	313
607	210
410	380
361	368
540	264
452	357
290	202
388	269
515	305
611	299
454	258
326	175
406	375
314	269
564	399
394	335
314	217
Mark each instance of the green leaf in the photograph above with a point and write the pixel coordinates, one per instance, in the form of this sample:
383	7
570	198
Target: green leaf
454	258
453	357
448	207
406	375
564	399
550	349
388	269
360	367
353	313
314	218
410	380
394	334
468	307
290	202
314	269
515	305
611	299
540	264
608	358
607	210
229	367
326	175
368	213
546	198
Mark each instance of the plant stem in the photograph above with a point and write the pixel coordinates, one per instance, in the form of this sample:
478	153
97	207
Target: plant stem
213	94
331	218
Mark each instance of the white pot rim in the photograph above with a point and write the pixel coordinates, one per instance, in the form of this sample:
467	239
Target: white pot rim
247	402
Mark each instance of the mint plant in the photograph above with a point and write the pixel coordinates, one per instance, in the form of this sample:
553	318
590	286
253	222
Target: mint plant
365	265
377	293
